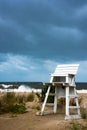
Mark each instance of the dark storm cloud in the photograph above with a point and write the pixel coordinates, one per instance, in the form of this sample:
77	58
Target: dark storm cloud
48	29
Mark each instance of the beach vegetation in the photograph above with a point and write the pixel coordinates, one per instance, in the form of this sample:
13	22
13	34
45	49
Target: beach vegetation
77	126
30	97
20	99
9	102
43	94
39	96
18	108
37	107
84	113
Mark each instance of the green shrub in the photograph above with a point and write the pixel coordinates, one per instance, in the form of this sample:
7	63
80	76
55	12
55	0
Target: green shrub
18	108
75	126
78	126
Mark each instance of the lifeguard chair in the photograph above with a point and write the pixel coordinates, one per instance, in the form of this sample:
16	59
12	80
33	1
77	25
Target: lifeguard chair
63	80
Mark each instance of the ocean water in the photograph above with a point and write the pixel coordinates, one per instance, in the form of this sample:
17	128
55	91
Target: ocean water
20	86
33	86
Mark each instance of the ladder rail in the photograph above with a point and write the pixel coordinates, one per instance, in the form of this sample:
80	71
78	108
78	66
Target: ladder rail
43	105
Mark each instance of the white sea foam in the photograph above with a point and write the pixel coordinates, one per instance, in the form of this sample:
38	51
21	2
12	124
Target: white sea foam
82	91
21	88
6	86
25	88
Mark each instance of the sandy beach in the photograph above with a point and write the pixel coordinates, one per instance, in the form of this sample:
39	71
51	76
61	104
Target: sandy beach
30	121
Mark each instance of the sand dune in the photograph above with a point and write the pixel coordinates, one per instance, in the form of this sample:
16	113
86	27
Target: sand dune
29	120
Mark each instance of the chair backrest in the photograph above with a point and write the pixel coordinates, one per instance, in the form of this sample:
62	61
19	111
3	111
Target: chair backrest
66	69
65	73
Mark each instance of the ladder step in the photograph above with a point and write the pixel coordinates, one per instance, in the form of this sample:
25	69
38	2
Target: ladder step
48	112
62	96
74	107
73	96
72	117
49	104
44	113
52	94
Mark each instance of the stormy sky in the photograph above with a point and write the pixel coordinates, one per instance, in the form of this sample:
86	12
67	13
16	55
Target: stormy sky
37	35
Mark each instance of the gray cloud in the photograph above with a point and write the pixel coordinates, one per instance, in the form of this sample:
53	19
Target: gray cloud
48	29
25	68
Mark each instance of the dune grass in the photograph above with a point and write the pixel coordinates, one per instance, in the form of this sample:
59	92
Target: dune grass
10	102
77	126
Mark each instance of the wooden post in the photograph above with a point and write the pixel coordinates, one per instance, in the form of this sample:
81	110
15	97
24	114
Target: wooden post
45	100
67	100
55	100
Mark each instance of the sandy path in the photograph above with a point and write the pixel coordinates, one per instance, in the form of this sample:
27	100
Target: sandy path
29	121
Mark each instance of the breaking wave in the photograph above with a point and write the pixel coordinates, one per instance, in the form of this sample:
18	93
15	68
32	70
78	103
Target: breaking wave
21	88
28	88
82	91
24	88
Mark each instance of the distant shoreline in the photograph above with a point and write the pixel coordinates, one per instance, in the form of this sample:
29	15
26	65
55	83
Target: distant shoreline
39	85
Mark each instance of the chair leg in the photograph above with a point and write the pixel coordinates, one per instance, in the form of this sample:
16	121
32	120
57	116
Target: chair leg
67	101
45	100
55	100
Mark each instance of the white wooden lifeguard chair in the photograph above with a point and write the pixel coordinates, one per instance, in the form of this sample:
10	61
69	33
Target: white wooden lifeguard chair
63	80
